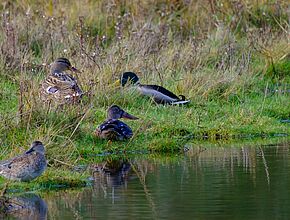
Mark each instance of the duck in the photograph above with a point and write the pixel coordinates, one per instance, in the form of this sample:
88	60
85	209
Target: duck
159	94
23	206
59	86
27	166
112	172
114	129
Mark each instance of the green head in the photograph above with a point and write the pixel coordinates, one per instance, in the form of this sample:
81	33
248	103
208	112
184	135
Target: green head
129	76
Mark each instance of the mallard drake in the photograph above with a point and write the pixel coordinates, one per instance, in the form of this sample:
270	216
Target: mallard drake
114	129
27	166
60	86
159	94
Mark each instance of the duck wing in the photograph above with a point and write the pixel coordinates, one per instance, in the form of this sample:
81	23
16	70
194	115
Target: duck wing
61	80
60	86
117	128
5	163
16	161
155	89
161	95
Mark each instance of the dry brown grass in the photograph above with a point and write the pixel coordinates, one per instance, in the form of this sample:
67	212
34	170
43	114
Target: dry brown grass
203	49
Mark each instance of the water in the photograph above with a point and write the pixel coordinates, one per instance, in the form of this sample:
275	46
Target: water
205	183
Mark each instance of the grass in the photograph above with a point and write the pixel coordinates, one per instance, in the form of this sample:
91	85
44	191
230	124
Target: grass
52	179
230	59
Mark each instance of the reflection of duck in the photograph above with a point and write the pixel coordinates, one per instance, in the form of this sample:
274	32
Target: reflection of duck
27	166
114	129
59	85
25	206
112	172
159	94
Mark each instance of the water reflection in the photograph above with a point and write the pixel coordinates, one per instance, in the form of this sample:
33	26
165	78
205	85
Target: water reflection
206	182
112	172
25	206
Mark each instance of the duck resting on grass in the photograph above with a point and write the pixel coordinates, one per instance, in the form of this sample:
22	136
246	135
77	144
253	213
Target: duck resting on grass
159	94
59	86
27	166
114	129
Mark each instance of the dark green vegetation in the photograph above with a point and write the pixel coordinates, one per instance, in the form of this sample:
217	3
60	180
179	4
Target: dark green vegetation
231	59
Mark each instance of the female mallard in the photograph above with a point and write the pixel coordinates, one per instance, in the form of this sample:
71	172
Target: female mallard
23	206
159	94
27	166
114	129
59	85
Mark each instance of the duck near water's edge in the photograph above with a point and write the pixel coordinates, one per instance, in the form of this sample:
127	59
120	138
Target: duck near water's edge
27	166
113	128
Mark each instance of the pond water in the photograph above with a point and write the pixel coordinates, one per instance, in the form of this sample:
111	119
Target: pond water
204	183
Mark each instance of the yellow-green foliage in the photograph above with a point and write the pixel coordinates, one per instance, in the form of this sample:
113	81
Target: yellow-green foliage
217	53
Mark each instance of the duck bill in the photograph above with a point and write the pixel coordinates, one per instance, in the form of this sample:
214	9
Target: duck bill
29	151
117	83
74	70
128	116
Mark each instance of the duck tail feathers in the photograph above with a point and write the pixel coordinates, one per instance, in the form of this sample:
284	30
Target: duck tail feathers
180	102
182	97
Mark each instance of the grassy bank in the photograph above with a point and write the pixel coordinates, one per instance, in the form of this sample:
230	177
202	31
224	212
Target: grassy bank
231	59
66	176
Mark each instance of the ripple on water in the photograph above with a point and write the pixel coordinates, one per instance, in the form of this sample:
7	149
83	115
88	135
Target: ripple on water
216	183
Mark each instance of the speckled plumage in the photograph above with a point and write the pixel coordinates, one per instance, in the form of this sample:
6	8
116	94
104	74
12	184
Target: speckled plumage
27	166
24	206
114	129
59	86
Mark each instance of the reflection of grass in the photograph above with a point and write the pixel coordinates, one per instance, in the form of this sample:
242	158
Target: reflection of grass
61	178
232	65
